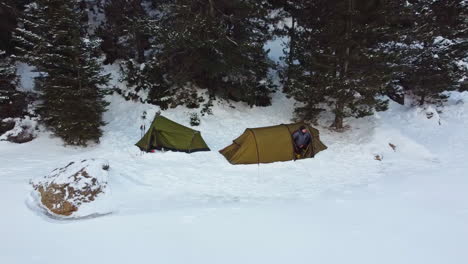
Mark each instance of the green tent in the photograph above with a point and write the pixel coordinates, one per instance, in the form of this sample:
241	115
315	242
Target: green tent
270	144
166	134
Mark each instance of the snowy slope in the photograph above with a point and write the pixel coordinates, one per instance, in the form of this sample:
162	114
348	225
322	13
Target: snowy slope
341	207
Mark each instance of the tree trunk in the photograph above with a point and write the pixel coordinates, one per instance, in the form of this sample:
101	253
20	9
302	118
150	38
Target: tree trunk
292	39
212	8
422	100
348	36
137	34
139	46
340	105
338	122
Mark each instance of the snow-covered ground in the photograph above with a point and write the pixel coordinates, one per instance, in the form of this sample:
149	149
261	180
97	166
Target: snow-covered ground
341	207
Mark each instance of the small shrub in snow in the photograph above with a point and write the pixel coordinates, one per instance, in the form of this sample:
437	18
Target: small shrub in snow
206	110
194	119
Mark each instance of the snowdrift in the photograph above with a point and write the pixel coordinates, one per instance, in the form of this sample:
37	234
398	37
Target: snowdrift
410	207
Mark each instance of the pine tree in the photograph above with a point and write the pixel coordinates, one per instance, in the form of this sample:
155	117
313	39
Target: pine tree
8	14
433	49
210	44
53	39
286	12
12	102
8	77
339	63
145	77
124	32
395	22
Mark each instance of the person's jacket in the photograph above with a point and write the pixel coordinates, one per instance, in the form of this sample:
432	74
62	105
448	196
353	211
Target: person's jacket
301	138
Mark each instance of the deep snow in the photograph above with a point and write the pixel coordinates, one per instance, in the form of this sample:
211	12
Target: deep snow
341	207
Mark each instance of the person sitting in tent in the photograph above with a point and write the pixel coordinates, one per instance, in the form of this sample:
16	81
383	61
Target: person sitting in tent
302	139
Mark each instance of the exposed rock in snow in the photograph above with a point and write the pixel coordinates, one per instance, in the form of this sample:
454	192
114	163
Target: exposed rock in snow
18	130
6	126
66	190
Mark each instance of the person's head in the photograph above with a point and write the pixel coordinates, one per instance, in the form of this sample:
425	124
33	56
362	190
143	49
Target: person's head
303	129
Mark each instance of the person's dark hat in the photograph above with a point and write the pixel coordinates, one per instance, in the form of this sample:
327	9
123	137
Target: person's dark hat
302	127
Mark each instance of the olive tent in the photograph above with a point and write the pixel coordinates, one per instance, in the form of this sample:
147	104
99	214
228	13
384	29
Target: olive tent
167	134
270	144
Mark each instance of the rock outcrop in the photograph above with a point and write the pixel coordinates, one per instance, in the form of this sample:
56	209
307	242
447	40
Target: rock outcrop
18	130
65	190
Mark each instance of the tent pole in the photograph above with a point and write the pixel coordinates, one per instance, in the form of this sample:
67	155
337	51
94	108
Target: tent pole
256	146
292	142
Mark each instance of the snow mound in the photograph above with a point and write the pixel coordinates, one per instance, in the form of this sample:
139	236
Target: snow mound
389	142
76	190
398	137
